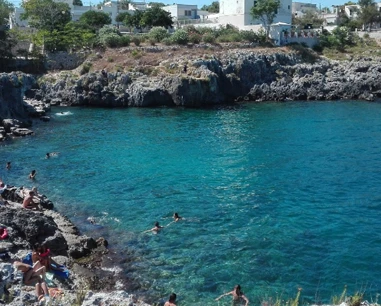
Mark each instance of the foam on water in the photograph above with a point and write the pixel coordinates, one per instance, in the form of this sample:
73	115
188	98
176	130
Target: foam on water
274	196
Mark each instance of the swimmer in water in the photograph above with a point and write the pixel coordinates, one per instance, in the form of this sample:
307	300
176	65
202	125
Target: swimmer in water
237	296
171	301
155	229
176	217
48	155
32	175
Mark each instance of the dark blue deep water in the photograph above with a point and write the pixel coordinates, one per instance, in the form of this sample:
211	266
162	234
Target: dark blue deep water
275	196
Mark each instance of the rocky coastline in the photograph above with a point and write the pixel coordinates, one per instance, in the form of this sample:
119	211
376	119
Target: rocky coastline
227	77
91	280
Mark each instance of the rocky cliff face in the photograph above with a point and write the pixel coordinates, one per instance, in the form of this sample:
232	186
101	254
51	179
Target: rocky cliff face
12	90
235	75
16	113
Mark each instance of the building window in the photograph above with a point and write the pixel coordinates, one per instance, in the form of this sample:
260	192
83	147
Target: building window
255	3
188	13
289	7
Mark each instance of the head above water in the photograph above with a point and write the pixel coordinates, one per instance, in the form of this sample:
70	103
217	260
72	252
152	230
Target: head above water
157	224
237	288
172	297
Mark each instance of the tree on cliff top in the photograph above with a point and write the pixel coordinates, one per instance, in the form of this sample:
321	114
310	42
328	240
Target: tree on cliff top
156	17
369	13
46	14
5	8
265	11
95	20
213	8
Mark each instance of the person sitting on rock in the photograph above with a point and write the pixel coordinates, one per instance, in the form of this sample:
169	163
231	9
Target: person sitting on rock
34	275
42	254
29	203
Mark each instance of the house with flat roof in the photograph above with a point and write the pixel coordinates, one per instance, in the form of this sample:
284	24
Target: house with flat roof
237	13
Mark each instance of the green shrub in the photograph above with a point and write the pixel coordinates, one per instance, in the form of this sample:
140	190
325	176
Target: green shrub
249	36
109	36
209	38
124	41
318	48
167	41
180	37
86	66
158	34
205	30
232	37
110	59
194	38
111	40
136	40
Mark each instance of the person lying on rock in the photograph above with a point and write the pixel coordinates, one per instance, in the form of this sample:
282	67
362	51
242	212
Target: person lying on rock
34	275
29	203
42	254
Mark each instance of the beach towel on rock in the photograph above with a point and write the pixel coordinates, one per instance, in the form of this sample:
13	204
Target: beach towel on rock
28	259
62	271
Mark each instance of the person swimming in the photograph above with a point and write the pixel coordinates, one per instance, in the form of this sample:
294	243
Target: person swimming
176	217
48	155
32	175
171	301
155	229
237	296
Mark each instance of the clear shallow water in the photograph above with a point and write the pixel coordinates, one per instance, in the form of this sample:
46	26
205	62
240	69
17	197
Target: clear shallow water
275	196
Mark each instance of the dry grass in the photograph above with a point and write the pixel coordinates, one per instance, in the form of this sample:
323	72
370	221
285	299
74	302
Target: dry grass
128	59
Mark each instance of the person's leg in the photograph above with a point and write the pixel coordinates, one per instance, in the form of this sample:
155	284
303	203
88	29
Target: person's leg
45	288
28	275
39	269
39	292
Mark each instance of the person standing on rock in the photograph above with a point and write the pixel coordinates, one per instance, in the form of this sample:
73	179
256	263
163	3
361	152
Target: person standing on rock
32	175
171	301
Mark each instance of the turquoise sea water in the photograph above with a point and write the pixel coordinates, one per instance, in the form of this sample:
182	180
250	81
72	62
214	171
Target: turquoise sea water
275	196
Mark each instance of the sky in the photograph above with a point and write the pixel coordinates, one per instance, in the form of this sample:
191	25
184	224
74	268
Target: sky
200	3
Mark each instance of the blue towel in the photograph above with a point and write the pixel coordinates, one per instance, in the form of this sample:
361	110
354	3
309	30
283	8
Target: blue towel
63	274
28	259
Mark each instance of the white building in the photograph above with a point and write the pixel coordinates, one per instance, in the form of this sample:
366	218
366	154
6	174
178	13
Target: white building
300	8
181	11
237	13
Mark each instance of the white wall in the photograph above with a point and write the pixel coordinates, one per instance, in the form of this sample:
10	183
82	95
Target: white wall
237	13
177	11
